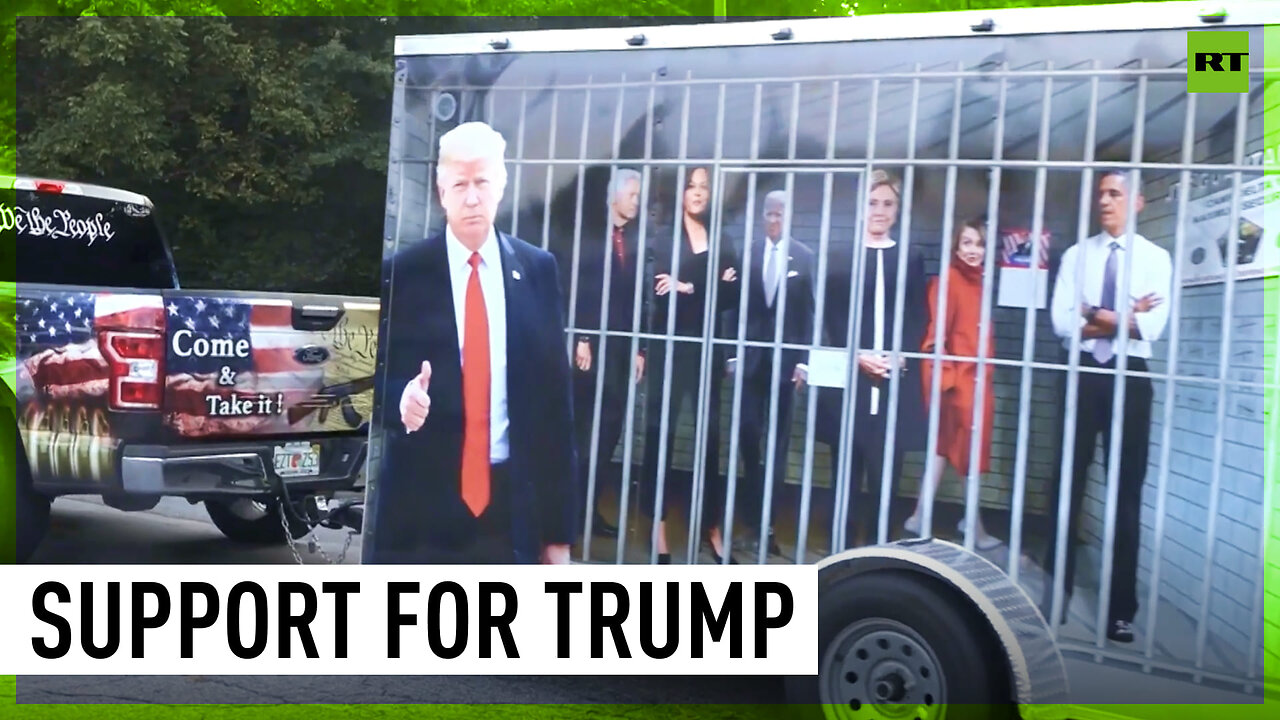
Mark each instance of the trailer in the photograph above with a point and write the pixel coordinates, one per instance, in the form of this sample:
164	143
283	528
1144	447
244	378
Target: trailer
799	415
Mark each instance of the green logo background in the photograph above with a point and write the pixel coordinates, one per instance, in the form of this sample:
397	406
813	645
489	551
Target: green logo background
1214	81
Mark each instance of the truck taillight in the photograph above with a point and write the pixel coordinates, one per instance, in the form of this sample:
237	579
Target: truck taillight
136	361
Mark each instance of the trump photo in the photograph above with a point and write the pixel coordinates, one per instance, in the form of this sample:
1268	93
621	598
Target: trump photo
478	463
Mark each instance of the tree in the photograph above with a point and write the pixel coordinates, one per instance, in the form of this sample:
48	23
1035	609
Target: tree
264	141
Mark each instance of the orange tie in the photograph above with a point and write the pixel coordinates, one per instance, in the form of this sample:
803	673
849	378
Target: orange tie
475	396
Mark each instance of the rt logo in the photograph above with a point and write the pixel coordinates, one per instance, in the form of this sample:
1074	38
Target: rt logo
1217	62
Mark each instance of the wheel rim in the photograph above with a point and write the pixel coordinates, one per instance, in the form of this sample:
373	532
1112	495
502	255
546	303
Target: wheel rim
879	668
248	510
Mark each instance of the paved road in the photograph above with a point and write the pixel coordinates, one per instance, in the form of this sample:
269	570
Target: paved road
86	531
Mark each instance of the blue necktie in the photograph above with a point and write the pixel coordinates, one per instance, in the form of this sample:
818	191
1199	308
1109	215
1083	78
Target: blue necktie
1102	348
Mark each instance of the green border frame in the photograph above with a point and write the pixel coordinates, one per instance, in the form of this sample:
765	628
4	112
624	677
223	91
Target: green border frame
8	684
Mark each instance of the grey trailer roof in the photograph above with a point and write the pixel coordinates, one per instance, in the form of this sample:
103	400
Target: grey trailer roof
1012	21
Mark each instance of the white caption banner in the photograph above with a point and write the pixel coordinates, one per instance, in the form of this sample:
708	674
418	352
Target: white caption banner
738	619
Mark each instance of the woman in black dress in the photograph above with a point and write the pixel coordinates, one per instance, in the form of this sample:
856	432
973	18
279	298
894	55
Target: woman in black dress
881	256
687	286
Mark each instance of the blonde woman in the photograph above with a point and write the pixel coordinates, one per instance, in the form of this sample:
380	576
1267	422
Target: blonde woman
882	255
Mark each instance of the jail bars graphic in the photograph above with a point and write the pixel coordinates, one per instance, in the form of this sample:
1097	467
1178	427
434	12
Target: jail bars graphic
1024	135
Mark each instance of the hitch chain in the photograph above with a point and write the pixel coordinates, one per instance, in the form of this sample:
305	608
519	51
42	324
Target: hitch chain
313	543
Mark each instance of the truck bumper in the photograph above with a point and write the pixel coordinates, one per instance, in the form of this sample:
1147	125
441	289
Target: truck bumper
244	468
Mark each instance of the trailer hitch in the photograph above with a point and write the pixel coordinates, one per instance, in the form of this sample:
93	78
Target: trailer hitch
348	513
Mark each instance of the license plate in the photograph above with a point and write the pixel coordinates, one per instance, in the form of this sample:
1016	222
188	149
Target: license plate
300	459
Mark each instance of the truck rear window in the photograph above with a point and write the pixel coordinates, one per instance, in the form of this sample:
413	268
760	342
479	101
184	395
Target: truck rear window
67	239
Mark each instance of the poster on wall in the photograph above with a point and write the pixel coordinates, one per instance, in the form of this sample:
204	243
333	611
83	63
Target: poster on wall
1021	285
1210	235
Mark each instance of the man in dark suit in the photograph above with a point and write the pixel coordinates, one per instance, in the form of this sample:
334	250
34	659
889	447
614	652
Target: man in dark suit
778	264
620	253
479	460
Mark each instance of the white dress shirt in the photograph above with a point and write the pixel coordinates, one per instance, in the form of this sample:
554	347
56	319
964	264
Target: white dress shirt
880	342
495	303
1152	273
775	268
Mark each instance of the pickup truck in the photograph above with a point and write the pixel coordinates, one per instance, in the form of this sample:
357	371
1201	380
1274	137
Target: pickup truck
127	387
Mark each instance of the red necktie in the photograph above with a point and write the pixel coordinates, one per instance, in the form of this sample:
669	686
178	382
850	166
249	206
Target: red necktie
618	246
475	396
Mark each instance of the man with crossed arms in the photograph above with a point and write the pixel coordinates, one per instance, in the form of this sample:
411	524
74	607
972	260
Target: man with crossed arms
1106	257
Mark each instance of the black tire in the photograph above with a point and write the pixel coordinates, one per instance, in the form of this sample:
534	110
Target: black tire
252	522
32	507
970	679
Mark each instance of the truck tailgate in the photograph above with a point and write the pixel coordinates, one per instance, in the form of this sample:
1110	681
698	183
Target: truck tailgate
253	364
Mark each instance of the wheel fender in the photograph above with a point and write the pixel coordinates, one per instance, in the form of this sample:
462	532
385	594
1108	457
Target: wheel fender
1036	667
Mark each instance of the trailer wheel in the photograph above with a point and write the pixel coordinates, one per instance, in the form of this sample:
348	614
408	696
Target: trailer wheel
252	522
896	644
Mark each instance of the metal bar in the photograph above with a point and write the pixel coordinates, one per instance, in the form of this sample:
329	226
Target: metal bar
1067	87
771	440
735	422
593	461
1170	390
515	194
707	375
660	488
577	233
849	399
1120	383
1077	648
641	287
972	487
811	408
1172	74
969	104
847	164
1017	504
395	171
673	299
895	343
1148	116
1066	477
1014	110
432	168
1228	318
927	486
1016	364
928	96
551	166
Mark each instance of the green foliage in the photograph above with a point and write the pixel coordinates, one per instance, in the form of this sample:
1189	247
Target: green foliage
264	140
243	131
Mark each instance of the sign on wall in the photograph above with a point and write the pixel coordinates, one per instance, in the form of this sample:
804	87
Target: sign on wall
1021	285
1211	236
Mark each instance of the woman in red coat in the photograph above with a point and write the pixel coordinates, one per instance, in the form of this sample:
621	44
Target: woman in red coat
960	337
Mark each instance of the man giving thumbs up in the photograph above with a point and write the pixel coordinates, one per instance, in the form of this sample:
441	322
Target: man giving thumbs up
478	459
415	403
